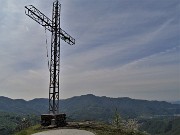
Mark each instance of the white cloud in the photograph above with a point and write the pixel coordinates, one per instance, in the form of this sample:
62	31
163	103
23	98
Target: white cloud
122	49
141	77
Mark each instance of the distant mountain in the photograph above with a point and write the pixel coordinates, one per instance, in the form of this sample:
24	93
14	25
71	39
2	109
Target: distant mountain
21	106
175	102
90	107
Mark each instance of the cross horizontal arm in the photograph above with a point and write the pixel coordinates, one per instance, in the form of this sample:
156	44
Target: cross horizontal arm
66	37
39	17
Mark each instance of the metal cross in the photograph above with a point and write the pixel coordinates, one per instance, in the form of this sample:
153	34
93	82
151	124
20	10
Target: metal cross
57	33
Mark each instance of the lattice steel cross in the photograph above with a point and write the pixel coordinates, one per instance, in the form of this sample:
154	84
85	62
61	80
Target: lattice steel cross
57	33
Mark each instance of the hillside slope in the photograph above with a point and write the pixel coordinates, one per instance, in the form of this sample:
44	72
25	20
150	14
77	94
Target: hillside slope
92	107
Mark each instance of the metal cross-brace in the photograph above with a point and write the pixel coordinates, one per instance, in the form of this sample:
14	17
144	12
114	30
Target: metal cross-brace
40	18
57	33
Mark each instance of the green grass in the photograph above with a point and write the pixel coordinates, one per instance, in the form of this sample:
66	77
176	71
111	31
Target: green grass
30	130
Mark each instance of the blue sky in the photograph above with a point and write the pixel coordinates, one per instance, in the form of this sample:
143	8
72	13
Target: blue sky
124	48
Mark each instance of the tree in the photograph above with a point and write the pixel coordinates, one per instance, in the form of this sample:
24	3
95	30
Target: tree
132	125
117	121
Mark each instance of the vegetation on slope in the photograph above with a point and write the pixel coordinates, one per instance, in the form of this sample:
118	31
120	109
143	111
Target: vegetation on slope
10	122
162	126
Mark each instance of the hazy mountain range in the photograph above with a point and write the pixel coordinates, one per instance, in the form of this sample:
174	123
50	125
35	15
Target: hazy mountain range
90	107
176	102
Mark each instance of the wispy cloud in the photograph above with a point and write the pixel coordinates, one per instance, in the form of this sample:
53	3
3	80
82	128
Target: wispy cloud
123	48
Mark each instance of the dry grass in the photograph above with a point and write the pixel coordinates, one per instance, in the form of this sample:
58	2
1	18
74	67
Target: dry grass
96	127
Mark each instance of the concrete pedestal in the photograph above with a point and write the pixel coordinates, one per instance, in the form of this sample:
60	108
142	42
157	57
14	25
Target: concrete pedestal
58	120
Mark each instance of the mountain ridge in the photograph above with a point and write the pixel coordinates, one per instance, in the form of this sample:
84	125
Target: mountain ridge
173	102
92	107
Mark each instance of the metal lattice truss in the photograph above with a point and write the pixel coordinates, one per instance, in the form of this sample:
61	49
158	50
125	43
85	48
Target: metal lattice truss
57	33
40	18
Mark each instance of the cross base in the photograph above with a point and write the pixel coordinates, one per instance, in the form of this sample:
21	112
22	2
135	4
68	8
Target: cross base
56	120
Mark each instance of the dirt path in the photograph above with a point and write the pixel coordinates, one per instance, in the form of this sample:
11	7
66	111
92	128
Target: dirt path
65	132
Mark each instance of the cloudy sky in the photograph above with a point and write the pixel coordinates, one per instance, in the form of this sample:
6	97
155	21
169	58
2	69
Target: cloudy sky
124	48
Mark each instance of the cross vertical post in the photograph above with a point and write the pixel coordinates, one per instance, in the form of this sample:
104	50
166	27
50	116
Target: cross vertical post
53	118
55	61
